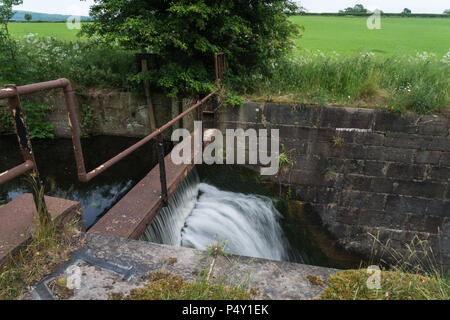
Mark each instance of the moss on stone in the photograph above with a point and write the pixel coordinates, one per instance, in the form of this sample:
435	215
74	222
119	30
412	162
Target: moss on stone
395	285
162	285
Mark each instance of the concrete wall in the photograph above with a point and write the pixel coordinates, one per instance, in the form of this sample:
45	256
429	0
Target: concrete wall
363	171
116	113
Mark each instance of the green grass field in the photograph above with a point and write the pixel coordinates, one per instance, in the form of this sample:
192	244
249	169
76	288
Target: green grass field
396	36
58	30
341	34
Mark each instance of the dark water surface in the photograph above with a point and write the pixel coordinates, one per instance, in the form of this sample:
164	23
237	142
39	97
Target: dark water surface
56	164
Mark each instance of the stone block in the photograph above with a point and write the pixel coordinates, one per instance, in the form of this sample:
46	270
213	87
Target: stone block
433	125
310	178
399	204
372	218
326	150
248	112
429	190
287	114
440	144
427	157
353	151
306	163
439	174
375	168
390	154
408	141
339	117
353	166
405	171
381	185
357	182
440	208
349	216
366	200
369	138
445	159
391	122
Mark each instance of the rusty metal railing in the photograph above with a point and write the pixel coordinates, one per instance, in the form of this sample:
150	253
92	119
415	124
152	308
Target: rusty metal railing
13	93
220	65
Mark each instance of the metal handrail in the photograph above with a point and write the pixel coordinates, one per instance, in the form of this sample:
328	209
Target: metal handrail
13	93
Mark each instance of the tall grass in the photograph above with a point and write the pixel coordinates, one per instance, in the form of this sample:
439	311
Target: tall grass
50	246
413	272
419	83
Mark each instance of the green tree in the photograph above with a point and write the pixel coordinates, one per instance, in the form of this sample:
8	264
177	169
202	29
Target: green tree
406	12
447	11
6	13
7	45
28	16
183	36
359	8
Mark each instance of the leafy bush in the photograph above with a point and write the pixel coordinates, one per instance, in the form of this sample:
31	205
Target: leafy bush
6	122
37	122
86	64
233	100
36	119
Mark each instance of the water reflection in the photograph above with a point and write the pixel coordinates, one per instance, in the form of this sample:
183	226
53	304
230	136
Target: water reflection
57	168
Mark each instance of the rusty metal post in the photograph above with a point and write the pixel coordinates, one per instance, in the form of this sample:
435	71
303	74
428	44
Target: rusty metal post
74	129
216	62
200	118
27	152
148	95
162	169
220	65
215	109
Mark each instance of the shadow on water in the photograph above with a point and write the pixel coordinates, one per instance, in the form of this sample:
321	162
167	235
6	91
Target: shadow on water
56	164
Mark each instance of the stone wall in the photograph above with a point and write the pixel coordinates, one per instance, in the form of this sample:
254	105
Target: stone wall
364	171
116	113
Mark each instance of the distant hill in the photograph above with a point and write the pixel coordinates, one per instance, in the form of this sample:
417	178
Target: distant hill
20	16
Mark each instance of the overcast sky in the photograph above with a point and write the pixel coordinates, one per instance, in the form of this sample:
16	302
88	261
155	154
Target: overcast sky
77	7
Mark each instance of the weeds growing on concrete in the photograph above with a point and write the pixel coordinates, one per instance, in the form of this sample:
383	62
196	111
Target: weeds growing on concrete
50	246
286	161
163	285
412	274
395	285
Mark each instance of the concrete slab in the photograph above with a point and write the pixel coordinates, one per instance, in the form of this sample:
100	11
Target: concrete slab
272	279
132	215
16	219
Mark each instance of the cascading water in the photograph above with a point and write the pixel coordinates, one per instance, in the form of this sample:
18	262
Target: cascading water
199	214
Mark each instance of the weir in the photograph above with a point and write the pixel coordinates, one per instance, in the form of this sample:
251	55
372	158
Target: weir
200	213
132	215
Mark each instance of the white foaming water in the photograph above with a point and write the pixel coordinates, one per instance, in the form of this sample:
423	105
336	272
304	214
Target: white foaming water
199	214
